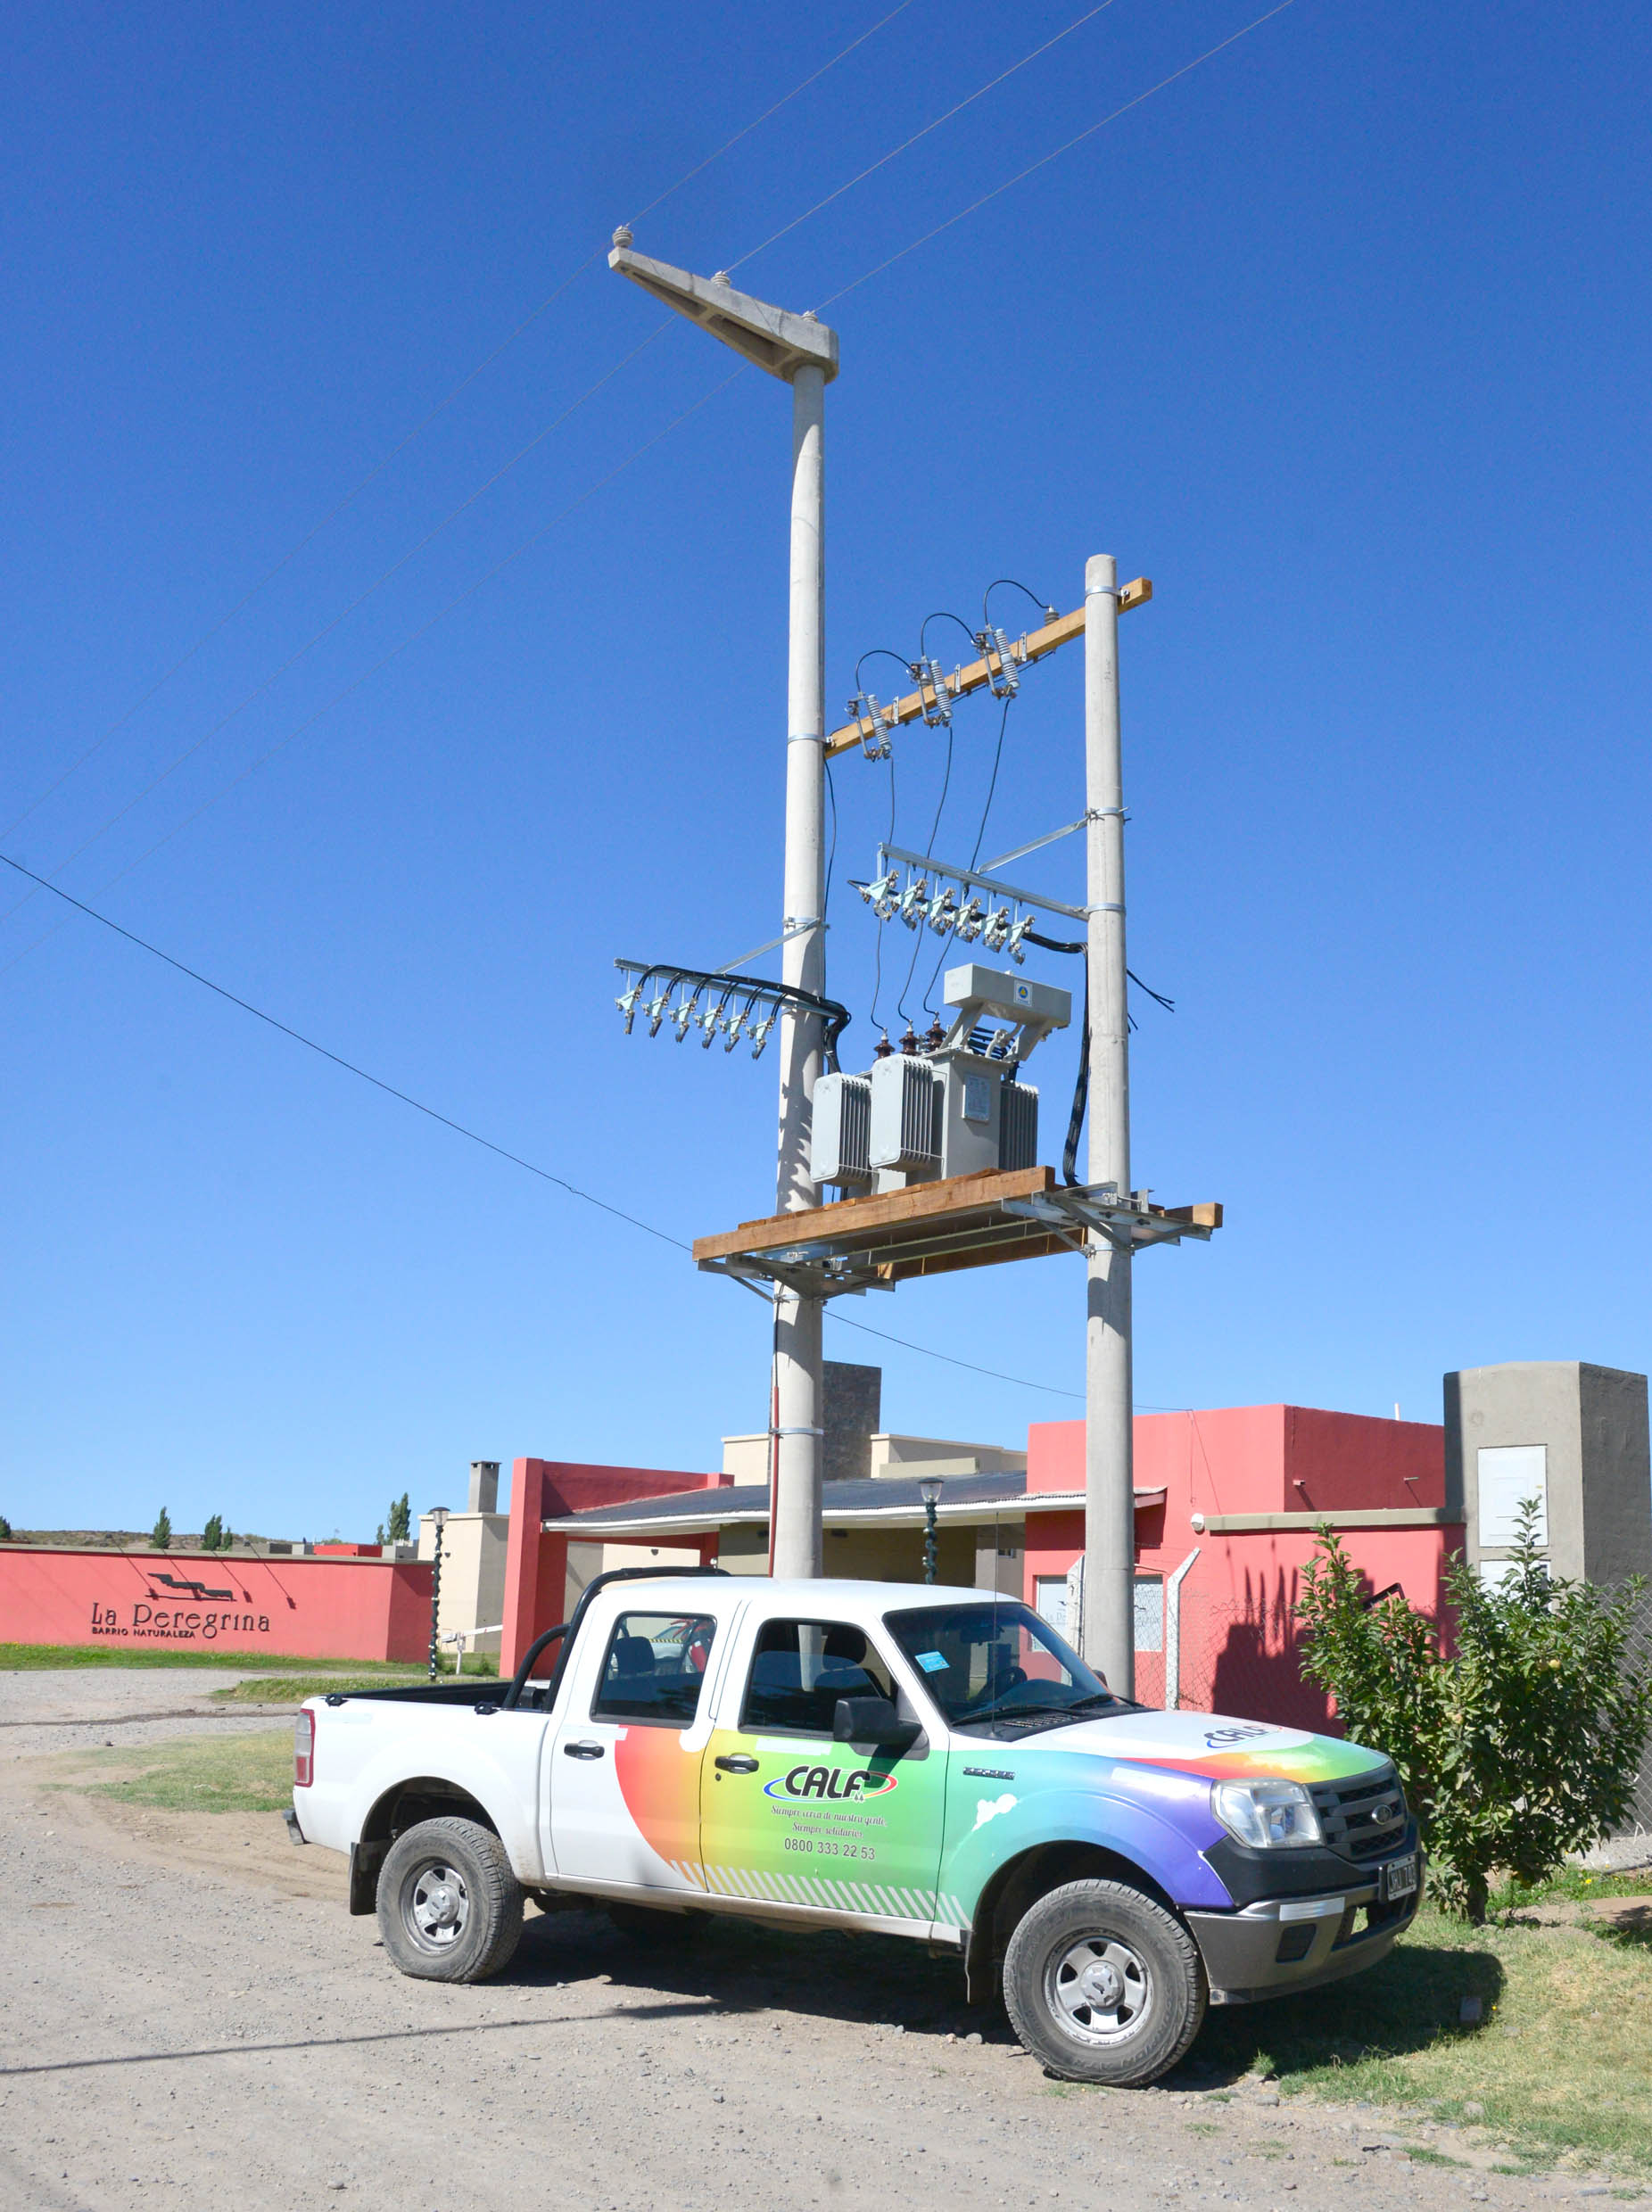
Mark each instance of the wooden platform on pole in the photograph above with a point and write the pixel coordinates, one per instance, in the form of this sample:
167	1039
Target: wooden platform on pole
936	1228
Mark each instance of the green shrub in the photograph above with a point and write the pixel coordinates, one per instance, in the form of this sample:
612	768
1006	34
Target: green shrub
1520	1746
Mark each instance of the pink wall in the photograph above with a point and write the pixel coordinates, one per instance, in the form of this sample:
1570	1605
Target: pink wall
1240	1642
536	1565
337	1608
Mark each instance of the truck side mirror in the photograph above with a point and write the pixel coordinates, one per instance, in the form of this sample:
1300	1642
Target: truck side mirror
872	1721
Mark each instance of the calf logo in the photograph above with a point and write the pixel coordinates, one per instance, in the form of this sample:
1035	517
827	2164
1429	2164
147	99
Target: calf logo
837	1783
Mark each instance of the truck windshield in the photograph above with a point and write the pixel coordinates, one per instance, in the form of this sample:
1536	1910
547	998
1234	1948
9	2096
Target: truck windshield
991	1666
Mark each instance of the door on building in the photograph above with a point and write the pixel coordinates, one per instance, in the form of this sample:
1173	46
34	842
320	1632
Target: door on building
623	1782
791	1817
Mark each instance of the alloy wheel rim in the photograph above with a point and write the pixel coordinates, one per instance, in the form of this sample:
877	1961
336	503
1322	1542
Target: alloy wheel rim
437	1907
1098	1990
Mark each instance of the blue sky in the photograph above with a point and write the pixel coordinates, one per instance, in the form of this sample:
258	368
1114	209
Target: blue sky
1339	337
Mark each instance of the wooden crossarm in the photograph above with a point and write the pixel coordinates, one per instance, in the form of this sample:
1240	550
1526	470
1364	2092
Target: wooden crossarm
853	1217
971	677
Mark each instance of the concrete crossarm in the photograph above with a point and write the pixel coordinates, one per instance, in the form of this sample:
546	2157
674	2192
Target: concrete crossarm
771	338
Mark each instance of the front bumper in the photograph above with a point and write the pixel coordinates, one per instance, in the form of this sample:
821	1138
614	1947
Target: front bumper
1350	1930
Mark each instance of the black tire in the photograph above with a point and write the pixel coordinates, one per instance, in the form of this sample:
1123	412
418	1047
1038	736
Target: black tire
650	1925
1103	1984
450	1908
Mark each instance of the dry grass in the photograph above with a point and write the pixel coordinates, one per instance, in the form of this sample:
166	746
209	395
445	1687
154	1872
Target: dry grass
291	1689
250	1774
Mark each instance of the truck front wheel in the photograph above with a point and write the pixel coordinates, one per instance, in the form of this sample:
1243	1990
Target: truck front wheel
450	1908
1103	1984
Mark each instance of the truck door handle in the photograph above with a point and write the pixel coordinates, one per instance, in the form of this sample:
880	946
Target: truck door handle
739	1764
583	1751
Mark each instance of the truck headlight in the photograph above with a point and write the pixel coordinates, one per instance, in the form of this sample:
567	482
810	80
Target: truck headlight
1269	1816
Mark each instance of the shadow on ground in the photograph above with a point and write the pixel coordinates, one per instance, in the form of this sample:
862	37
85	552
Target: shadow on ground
1403	2005
1408	2003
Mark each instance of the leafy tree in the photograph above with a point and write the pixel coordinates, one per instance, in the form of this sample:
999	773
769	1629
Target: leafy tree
212	1535
5	1529
379	1536
1521	1743
400	1519
161	1535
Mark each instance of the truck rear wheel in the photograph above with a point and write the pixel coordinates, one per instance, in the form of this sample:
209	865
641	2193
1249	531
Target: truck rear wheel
1103	1984
450	1908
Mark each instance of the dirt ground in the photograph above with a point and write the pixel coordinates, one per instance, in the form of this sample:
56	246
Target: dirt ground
192	2017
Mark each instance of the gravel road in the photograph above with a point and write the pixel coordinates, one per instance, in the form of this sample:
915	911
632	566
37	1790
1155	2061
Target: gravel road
192	2018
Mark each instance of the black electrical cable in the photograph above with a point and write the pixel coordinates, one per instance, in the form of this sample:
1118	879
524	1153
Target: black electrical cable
943	614
349	1065
831	850
981	834
876	970
935	826
1043	605
1063	945
447	1122
1081	1086
834	1019
877	652
1003	721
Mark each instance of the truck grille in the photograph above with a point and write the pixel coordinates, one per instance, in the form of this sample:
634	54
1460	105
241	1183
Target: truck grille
1364	1816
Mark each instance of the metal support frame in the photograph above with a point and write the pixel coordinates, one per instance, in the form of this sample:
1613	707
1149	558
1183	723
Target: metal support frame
972	879
830	1263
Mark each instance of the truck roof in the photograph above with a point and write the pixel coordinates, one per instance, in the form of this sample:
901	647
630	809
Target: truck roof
807	1595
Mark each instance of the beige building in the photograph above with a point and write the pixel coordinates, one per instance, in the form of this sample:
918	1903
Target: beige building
471	1601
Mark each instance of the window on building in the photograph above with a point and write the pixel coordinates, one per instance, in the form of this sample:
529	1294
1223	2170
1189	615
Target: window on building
801	1668
1508	1475
655	1668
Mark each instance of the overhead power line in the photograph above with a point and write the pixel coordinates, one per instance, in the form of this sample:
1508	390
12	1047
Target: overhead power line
337	1059
1054	1390
1056	153
422	425
446	1121
895	152
877	269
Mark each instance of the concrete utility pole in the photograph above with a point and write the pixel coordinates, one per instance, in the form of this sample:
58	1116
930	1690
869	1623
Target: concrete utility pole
803	354
1109	1505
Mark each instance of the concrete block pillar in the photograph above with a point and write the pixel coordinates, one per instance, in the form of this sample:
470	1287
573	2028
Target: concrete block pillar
536	1565
1573	1436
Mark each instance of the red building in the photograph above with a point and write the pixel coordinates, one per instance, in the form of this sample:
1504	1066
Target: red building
1229	1507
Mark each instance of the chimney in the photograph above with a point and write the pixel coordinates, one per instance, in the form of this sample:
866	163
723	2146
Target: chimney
483	1486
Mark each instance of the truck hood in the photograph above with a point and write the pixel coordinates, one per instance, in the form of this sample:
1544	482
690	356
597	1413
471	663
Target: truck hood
1216	1747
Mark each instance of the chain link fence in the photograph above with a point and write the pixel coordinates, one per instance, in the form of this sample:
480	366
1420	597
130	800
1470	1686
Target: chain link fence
1638	1652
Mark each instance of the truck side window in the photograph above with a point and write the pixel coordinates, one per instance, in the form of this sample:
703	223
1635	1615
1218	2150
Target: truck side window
801	1668
655	1668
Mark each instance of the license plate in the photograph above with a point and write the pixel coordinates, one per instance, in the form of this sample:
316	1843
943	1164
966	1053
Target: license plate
1400	1877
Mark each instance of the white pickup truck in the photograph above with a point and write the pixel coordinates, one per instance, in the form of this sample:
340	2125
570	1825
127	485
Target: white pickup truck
920	1761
